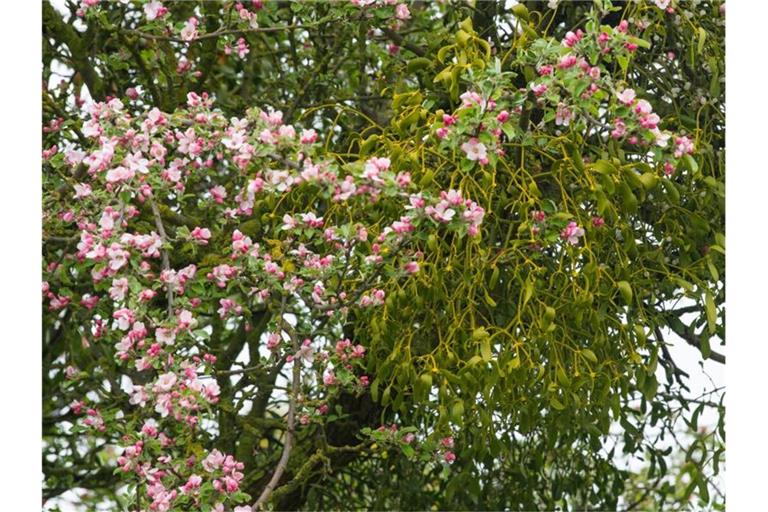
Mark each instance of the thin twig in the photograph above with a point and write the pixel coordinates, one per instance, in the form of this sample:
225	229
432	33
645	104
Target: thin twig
218	33
282	464
163	251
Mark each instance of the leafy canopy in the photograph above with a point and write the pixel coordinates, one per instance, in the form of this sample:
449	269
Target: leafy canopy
381	255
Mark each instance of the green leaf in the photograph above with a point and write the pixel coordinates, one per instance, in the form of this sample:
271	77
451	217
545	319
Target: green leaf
642	43
485	349
457	411
709	303
520	11
690	163
702	40
706	349
575	156
557	404
712	269
589	355
528	292
649	387
603	167
649	180
417	64
549	315
672	193
626	291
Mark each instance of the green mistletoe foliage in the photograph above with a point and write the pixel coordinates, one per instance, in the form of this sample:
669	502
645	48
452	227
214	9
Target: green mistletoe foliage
382	255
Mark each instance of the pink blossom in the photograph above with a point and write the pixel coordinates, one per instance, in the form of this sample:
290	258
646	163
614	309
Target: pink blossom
202	235
273	341
311	220
165	382
242	48
449	120
213	461
643	107
567	61
222	274
139	396
627	96
119	288
227	306
165	335
563	116
193	482
619	129
240	242
572	233
539	89
650	121
308	136
149	428
572	38
402	12
185	319
286	132
273	117
89	301
119	174
441	212
82	190
212	391
474	149
124	317
154	10
683	146
218	193
189	32
306	352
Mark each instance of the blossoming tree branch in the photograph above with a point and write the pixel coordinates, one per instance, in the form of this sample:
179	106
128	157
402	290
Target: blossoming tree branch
377	254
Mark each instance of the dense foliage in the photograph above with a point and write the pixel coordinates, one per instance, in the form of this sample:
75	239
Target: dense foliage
381	255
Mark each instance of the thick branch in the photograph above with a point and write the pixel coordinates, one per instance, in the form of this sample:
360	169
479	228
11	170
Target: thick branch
81	62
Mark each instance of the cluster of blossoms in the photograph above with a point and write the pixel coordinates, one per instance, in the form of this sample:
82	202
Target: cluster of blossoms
396	11
478	125
158	22
155	315
424	448
546	229
638	124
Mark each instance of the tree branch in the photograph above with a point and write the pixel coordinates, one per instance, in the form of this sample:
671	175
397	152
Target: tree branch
400	41
163	251
289	434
